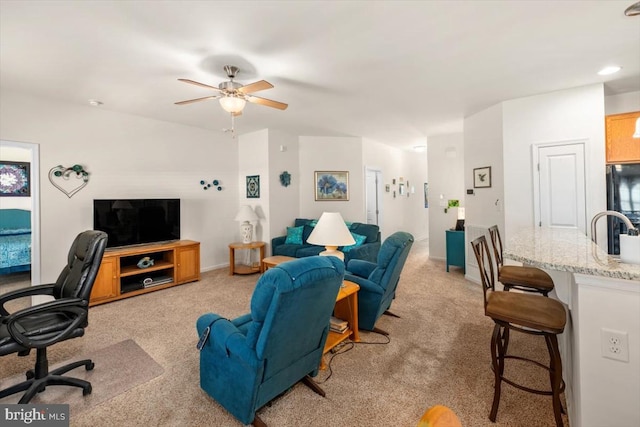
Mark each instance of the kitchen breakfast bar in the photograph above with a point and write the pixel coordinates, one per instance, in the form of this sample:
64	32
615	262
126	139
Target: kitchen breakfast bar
602	297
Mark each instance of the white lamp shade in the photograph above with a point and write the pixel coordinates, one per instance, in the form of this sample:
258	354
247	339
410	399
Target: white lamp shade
637	132
331	231
460	213
246	214
232	104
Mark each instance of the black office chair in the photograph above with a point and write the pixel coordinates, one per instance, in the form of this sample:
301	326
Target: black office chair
43	325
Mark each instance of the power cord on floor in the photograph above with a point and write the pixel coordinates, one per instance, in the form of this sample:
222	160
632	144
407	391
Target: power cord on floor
342	348
387	337
346	346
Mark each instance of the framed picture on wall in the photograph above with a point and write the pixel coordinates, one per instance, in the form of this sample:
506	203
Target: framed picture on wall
482	177
14	179
253	187
331	186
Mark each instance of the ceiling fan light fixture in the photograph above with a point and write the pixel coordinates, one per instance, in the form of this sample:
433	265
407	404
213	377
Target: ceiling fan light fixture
633	10
232	104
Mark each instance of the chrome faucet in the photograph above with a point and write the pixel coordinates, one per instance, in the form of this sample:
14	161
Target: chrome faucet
632	231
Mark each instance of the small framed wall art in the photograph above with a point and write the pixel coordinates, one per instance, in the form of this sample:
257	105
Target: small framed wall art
482	177
15	179
253	187
331	186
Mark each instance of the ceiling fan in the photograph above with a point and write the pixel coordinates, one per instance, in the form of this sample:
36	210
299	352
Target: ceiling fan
233	95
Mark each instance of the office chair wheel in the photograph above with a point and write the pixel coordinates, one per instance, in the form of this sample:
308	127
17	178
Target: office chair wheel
86	390
90	367
30	374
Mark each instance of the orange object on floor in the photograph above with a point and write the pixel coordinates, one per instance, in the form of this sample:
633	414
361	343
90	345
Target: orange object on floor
439	416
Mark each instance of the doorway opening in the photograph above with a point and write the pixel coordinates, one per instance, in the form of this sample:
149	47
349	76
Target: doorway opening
373	195
27	152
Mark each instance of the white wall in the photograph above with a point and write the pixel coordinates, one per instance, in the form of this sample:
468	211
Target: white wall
283	201
253	157
15	154
446	178
609	389
319	153
565	115
483	146
622	103
126	156
400	213
416	216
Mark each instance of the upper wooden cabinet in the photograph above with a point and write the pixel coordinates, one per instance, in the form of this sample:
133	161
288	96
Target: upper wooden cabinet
621	146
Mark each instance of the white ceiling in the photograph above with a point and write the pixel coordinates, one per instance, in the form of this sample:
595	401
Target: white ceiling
392	71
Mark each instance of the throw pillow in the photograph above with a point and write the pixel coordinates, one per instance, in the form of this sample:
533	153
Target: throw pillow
294	235
359	241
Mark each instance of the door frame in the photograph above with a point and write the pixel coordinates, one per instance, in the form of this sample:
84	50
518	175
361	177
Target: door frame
535	160
378	174
34	149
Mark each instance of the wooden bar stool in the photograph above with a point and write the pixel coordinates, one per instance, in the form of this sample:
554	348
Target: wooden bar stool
526	313
527	279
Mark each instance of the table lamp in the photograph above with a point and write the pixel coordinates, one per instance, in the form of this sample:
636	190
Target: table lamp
331	232
245	216
460	221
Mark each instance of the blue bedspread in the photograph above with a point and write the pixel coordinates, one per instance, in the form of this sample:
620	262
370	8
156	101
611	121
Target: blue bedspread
15	251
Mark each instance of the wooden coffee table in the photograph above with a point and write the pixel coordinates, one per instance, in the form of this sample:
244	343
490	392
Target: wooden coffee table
272	261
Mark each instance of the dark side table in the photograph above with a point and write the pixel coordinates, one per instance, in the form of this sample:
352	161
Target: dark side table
455	249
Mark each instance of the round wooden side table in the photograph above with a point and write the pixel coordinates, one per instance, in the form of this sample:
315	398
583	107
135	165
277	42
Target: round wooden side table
242	268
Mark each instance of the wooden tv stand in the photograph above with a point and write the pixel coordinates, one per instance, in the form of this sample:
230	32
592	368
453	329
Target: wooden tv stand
119	277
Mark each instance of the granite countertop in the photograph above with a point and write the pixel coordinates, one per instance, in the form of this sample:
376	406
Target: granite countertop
566	250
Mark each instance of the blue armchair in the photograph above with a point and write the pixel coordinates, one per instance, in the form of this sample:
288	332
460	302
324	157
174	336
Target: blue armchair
248	361
378	281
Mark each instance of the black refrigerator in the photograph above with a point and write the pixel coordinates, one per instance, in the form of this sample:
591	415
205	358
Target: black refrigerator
623	195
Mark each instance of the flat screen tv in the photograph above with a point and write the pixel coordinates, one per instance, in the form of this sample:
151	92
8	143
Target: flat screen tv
137	221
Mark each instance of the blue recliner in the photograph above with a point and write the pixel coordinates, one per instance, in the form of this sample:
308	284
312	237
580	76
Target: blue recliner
248	361
378	281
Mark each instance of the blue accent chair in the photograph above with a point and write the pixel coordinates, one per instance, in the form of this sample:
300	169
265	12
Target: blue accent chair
248	361
378	281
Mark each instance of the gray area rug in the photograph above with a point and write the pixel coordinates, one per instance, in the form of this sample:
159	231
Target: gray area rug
118	368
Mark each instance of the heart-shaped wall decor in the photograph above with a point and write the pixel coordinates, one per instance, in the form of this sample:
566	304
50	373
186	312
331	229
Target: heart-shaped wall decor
61	178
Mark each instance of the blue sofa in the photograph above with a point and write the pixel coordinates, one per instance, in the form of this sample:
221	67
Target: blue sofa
367	251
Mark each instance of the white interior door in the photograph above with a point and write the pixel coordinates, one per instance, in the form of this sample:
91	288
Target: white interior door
561	186
373	180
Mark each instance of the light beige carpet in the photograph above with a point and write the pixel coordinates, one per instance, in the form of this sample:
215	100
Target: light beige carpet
118	368
438	354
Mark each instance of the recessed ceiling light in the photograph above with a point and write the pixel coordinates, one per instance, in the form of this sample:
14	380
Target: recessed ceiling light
609	70
420	148
95	103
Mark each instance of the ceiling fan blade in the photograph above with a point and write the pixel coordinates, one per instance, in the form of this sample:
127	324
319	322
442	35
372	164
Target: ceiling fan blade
267	102
200	84
189	101
254	87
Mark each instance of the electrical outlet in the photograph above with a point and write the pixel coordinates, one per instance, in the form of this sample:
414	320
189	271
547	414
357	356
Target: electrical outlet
615	344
